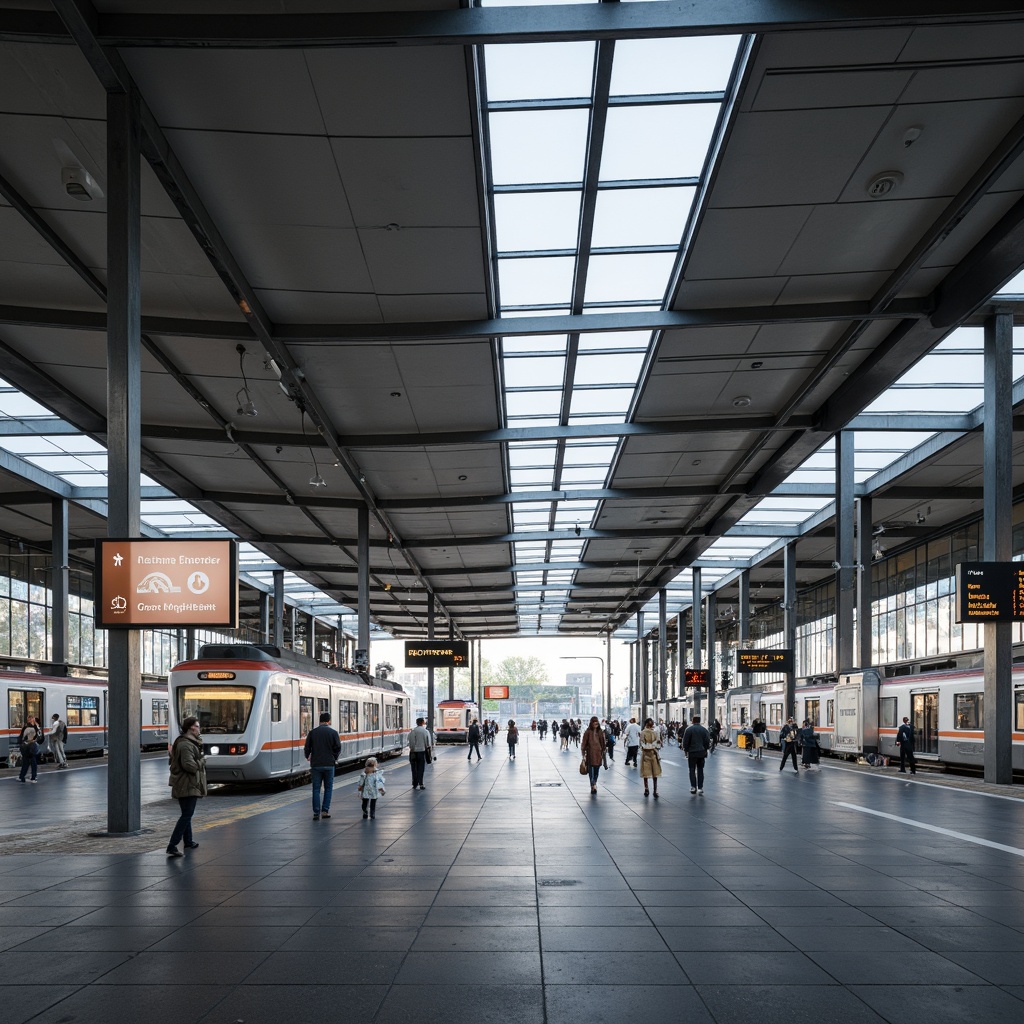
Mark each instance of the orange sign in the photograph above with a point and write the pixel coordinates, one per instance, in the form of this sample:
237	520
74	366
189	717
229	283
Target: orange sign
495	693
145	583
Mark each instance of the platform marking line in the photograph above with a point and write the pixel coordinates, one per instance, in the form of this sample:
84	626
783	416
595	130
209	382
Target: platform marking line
934	828
919	782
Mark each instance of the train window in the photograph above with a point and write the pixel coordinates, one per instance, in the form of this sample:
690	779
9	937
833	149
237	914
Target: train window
1018	710
275	707
830	712
323	706
775	714
371	717
812	710
85	710
887	713
160	712
305	715
393	716
740	715
22	704
348	716
220	709
969	711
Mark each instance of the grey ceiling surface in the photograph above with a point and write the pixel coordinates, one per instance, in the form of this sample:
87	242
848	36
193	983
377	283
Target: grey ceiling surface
347	190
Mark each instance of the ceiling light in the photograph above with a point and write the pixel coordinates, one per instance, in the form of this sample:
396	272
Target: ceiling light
80	184
741	401
246	406
396	394
757	364
317	480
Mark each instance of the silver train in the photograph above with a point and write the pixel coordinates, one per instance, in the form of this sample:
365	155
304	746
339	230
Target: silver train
860	713
256	703
82	704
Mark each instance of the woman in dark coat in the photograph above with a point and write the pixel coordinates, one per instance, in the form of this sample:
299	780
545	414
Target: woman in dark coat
187	782
809	743
513	738
30	743
593	748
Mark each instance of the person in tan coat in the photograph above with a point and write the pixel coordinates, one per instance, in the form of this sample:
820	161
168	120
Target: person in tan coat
187	782
592	748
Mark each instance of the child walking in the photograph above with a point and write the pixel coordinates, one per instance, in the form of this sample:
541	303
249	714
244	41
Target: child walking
370	786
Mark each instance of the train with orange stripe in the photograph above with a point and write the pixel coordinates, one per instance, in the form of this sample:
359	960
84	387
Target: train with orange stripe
859	714
256	703
81	702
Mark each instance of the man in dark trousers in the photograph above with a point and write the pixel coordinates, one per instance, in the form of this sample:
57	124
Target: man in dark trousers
905	741
322	750
696	744
474	739
788	737
420	743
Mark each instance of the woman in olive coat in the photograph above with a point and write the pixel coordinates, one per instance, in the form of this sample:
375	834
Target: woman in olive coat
593	747
650	761
187	782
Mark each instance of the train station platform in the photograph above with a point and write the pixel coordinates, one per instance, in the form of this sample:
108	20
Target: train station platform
506	892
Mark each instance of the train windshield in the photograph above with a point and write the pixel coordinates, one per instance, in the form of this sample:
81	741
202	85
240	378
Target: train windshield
219	708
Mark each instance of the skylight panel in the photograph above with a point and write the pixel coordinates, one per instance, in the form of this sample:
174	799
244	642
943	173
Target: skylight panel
929	399
530	403
636	276
529	71
536	220
693	64
29	445
638	340
608	369
14	404
641	216
527	372
657	142
537	146
605	401
583	476
535	343
578	454
535	281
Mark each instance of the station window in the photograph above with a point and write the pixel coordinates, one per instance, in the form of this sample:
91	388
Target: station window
371	717
348	716
969	711
305	715
812	709
887	713
84	710
160	712
22	704
775	714
275	707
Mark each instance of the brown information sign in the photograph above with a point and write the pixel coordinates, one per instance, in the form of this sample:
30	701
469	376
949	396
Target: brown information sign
495	693
696	677
437	654
145	583
778	660
990	592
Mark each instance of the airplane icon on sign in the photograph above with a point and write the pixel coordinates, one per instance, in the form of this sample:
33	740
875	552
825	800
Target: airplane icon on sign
118	559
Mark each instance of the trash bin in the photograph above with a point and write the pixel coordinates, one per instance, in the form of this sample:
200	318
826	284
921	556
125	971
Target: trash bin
741	741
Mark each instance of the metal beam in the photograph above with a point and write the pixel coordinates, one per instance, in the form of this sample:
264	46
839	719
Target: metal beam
569	23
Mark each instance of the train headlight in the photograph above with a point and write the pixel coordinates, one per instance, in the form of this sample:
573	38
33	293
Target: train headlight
214	750
238	748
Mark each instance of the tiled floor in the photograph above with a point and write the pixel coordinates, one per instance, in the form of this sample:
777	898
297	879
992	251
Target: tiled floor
506	892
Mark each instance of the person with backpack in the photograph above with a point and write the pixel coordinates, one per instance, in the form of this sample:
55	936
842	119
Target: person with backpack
30	744
58	737
512	739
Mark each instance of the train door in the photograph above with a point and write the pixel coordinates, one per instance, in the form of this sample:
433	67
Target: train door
925	719
282	722
22	705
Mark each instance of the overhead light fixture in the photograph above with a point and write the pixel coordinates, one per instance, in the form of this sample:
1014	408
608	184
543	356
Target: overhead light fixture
879	551
80	184
741	401
246	406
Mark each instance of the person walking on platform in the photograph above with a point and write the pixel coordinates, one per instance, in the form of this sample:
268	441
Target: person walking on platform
512	738
30	742
810	747
473	737
419	752
542	728
632	741
322	750
760	730
905	741
610	740
788	736
650	760
593	749
696	744
187	782
58	737
370	787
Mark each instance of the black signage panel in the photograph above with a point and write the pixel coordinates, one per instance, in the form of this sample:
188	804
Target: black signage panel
990	592
696	677
437	654
778	660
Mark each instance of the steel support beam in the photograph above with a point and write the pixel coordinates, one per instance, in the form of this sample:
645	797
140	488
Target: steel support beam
59	583
278	608
865	657
848	571
363	600
789	620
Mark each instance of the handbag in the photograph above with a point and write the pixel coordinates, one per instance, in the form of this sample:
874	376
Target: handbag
584	770
427	759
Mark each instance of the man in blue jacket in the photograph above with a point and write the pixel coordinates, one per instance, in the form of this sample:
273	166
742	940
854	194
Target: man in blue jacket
322	750
905	741
696	743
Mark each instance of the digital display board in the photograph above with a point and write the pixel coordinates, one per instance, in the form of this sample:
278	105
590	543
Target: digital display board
990	592
145	583
696	677
437	654
778	660
495	693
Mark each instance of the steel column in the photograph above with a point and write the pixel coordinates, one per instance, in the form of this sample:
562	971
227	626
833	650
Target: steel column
278	608
451	668
998	542
608	676
363	595
430	672
264	617
641	675
310	636
124	403
59	583
846	574
697	625
865	528
744	607
663	643
789	627
712	612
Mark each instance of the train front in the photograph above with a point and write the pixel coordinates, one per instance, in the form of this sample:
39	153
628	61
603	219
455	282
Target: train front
225	699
